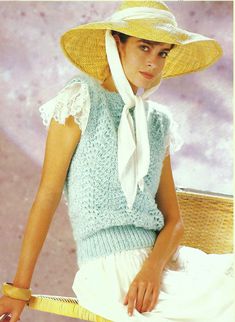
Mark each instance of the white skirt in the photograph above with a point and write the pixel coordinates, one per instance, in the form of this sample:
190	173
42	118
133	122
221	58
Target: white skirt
195	287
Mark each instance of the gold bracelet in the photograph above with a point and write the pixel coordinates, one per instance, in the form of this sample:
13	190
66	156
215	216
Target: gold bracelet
17	293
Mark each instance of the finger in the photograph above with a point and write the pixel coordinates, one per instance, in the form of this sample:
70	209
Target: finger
154	300
15	317
5	317
140	295
3	311
132	298
125	299
147	298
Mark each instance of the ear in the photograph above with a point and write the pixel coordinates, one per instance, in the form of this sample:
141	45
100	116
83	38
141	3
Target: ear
117	39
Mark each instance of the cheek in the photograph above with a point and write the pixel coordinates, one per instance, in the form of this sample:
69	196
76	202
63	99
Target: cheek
135	63
163	63
131	64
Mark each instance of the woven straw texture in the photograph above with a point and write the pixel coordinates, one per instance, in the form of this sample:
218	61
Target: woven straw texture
208	221
84	45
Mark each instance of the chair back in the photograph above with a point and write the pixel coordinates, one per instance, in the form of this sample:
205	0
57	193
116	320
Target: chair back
208	220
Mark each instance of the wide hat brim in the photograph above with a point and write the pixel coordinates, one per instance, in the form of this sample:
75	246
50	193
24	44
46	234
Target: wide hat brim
85	46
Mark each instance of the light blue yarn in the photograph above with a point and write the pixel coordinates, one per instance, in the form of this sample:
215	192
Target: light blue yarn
101	222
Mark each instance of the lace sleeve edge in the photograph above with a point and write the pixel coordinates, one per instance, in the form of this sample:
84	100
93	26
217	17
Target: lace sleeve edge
173	140
73	100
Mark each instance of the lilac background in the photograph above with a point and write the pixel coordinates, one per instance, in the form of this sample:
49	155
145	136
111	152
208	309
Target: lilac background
32	71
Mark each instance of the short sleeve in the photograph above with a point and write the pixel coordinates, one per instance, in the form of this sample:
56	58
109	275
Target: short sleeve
173	139
73	100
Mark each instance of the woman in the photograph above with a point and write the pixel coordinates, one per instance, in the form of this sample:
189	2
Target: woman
110	158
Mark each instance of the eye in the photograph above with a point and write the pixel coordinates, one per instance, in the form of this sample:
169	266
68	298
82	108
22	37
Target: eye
144	48
165	53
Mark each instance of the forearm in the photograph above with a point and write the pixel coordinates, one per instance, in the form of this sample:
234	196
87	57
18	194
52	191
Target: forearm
166	244
39	220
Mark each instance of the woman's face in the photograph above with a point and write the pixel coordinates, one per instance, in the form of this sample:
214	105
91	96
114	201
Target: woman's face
142	61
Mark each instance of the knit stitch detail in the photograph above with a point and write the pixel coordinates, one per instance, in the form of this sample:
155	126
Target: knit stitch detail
115	239
101	221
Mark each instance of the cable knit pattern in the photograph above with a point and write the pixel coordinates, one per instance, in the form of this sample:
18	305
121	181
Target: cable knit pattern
101	221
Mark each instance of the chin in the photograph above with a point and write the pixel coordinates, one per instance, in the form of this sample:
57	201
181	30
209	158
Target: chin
146	85
142	84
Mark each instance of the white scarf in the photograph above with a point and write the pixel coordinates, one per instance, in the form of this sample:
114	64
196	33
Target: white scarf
133	152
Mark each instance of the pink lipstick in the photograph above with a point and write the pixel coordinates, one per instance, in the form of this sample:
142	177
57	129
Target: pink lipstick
147	75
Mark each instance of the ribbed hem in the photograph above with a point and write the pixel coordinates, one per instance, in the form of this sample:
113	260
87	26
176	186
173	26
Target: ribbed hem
113	240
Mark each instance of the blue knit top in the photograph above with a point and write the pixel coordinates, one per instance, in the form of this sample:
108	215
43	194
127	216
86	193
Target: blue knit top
101	221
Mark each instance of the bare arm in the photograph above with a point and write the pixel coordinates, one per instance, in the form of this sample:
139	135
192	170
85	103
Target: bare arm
170	236
144	289
60	145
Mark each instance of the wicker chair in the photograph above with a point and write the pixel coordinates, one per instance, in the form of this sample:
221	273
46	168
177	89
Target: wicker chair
208	221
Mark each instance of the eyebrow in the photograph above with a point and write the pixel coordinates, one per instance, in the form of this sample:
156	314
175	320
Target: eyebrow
154	43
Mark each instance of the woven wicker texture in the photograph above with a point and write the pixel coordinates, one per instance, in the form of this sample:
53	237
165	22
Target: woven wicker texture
66	306
208	221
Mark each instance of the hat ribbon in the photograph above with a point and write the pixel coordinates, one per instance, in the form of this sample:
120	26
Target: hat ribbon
142	13
133	150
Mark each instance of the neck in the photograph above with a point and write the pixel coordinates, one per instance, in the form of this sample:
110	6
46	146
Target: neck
110	86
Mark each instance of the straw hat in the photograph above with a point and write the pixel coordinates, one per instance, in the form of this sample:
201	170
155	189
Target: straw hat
93	50
151	20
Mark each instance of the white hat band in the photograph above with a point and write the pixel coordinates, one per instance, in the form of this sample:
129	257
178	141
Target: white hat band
142	13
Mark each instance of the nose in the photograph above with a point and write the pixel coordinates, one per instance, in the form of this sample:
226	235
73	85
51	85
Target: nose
153	61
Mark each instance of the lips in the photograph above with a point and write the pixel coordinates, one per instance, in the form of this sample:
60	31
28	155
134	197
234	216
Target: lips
147	75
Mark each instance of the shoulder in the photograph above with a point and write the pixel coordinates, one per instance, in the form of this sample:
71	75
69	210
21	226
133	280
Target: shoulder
80	78
162	117
77	85
159	113
72	100
85	82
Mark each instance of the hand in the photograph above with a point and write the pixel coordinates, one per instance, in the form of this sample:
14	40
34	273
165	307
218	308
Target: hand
11	306
144	289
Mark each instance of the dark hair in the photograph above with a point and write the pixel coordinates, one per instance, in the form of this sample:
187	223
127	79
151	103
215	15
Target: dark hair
124	37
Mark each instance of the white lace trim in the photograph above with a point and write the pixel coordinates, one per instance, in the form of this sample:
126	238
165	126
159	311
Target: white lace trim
73	100
174	140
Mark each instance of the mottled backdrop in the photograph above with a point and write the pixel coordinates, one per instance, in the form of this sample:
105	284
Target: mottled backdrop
32	71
